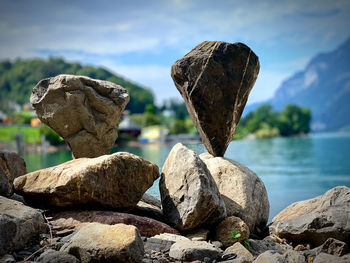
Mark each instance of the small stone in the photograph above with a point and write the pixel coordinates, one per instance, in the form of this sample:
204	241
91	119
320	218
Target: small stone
7	258
333	247
84	111
228	255
170	237
216	77
198	235
231	225
53	256
239	250
258	247
300	247
188	250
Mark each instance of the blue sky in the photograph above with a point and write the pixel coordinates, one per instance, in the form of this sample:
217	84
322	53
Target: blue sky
142	39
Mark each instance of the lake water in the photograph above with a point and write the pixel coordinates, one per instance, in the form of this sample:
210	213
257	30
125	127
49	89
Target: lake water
292	169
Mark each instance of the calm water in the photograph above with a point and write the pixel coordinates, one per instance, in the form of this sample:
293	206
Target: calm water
292	169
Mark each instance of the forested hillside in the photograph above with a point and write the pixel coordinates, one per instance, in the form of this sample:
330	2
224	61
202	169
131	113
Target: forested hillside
18	78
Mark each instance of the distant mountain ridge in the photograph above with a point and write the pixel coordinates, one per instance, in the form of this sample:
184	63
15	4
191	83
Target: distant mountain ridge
323	86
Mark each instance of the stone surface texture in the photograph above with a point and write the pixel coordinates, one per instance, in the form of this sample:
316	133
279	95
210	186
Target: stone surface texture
240	251
187	250
326	258
84	111
76	219
118	181
258	247
190	197
104	243
224	231
215	79
18	224
243	191
328	219
289	256
11	167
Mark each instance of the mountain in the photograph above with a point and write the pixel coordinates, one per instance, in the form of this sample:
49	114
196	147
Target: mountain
18	78
323	87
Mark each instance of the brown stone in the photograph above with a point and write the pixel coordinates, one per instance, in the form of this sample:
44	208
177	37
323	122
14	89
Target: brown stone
103	243
225	228
215	79
117	181
76	219
84	111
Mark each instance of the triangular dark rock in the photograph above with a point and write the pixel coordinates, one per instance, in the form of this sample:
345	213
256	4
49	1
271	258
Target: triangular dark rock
215	79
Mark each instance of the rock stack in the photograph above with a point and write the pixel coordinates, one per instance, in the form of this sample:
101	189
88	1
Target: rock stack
204	197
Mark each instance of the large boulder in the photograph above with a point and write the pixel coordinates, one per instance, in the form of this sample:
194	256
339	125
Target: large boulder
190	197
243	191
18	224
76	219
322	217
215	79
117	181
11	167
84	111
104	243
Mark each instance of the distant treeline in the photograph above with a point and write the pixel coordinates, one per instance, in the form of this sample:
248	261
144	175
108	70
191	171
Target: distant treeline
18	78
264	122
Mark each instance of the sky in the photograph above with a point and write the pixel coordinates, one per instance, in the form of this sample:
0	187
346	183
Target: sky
140	40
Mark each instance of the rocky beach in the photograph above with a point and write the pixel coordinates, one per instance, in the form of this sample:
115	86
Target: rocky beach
212	209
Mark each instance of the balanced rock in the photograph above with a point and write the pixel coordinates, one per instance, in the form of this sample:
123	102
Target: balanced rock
11	167
118	181
103	243
76	219
18	225
215	79
243	191
323	217
231	230
190	197
84	111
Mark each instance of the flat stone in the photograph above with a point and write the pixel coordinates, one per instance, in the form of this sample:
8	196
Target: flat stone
11	167
226	227
215	79
116	181
152	244
170	237
243	192
103	243
18	225
76	219
289	256
190	197
187	250
84	111
198	234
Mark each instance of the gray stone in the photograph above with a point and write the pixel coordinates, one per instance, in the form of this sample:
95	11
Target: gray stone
118	181
18	225
258	247
243	192
326	258
215	79
240	251
103	243
190	197
157	243
84	111
187	250
53	256
289	256
315	227
11	167
330	246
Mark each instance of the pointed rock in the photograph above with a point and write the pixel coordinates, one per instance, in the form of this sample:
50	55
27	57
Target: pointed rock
215	79
84	111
